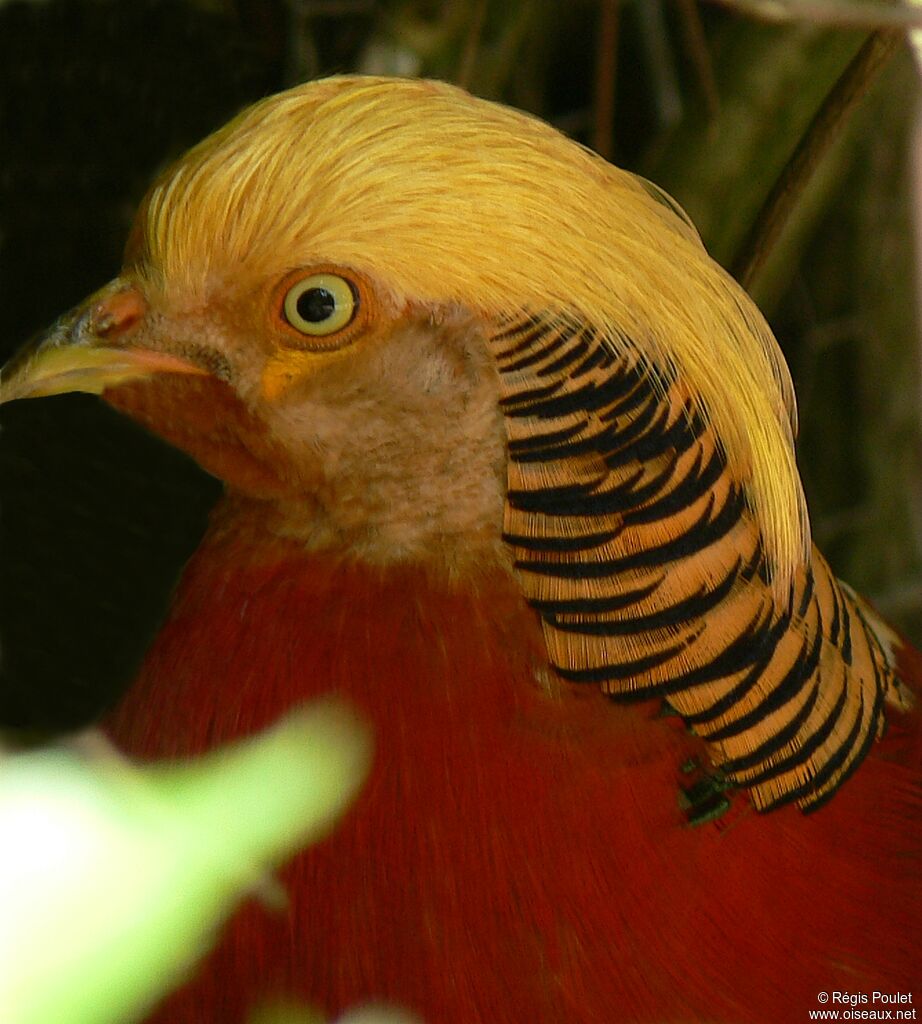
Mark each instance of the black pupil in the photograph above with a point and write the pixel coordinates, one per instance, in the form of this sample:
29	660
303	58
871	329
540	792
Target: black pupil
316	305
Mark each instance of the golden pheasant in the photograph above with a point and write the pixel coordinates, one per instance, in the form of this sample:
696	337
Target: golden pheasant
509	463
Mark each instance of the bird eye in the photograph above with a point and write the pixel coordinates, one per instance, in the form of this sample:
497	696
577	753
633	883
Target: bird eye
320	304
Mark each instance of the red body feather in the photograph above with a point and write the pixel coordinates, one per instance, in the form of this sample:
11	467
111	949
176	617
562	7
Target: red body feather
518	855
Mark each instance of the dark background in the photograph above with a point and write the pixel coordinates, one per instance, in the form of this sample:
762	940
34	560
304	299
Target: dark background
96	95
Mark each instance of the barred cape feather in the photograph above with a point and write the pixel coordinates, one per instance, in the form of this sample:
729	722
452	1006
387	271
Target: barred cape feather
654	509
635	545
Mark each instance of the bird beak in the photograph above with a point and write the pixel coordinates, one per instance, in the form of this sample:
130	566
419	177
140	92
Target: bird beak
97	346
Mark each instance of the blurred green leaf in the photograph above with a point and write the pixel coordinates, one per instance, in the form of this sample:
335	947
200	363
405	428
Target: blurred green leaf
113	879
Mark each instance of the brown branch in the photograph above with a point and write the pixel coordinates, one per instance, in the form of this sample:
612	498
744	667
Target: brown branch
468	61
823	130
606	63
869	14
696	43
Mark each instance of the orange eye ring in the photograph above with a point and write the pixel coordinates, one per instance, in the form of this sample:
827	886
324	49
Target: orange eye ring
323	307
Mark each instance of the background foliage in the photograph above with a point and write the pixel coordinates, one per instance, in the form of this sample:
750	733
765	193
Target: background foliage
96	95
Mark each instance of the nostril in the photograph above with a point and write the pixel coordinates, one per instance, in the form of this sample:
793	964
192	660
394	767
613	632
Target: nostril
118	314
